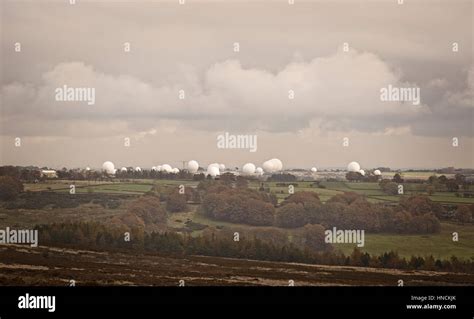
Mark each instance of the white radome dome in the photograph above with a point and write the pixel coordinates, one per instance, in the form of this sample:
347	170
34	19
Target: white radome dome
353	167
175	170
213	165
259	171
153	168
213	170
108	167
210	166
166	168
138	169
88	168
277	163
248	169
314	169
193	166
273	165
377	172
123	169
159	168
362	172
268	167
221	167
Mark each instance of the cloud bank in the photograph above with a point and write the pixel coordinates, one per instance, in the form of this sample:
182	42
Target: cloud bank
339	91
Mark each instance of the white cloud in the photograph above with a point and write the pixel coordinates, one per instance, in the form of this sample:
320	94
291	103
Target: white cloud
339	88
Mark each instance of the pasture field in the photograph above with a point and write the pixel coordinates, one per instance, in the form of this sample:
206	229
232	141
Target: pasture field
138	186
119	188
415	175
369	189
56	185
325	190
439	245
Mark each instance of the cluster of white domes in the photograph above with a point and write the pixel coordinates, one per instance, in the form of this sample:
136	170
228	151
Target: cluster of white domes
109	168
215	169
166	168
355	167
272	166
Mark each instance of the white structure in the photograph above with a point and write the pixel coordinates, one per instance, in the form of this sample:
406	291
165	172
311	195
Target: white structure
273	165
221	167
213	170
353	167
123	169
175	170
138	169
278	164
362	172
213	165
314	169
268	167
166	168
259	171
193	166
159	168
377	172
153	169
49	173
108	168
248	169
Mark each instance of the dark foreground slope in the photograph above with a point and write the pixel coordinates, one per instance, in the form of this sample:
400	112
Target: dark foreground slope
21	265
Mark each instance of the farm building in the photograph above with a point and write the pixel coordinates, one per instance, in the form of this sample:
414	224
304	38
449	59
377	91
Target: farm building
49	173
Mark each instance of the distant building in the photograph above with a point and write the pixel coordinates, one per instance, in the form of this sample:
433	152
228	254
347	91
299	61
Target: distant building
49	173
469	178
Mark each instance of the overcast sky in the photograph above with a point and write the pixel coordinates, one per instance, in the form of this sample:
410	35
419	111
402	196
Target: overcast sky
283	47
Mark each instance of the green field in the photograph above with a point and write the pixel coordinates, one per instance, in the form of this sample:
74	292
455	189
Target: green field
371	190
439	245
115	187
59	185
110	188
327	190
415	175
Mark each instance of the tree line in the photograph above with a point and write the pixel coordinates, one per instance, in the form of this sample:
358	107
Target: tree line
415	214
